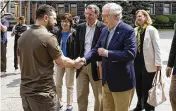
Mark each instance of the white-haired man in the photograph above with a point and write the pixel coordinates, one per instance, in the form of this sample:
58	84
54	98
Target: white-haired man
117	46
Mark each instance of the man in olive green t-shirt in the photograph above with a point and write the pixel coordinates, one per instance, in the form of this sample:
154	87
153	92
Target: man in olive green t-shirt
36	51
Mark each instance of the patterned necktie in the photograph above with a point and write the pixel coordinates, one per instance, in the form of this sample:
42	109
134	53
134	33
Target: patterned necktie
139	39
139	32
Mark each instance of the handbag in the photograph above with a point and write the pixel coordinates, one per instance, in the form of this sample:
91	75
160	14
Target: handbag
156	93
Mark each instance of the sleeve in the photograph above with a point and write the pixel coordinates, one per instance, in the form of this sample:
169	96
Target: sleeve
156	45
13	29
73	46
94	52
77	44
6	23
53	48
172	54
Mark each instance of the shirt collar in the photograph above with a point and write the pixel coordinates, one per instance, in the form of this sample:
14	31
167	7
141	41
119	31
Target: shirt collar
143	27
92	25
113	29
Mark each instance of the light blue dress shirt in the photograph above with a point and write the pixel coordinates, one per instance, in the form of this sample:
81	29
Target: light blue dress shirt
111	33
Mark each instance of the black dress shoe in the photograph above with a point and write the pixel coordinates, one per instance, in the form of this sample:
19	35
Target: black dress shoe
150	110
137	109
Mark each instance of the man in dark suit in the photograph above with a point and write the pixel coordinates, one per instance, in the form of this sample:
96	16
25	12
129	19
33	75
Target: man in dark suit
117	46
171	69
87	36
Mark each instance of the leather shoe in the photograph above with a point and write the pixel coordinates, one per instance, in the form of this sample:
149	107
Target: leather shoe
137	109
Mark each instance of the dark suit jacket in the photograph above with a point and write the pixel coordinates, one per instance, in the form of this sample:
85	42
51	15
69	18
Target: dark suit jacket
80	41
118	68
172	55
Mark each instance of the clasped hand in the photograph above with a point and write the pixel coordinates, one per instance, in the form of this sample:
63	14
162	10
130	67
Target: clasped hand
79	62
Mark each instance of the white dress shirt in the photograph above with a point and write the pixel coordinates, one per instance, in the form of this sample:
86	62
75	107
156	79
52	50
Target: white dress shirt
90	30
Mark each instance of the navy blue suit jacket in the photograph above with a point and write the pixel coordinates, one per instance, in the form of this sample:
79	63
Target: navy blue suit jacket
118	69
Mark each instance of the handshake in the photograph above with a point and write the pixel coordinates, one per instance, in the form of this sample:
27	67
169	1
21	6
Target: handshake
79	62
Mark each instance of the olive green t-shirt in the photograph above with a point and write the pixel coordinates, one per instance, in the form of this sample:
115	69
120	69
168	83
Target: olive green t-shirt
37	49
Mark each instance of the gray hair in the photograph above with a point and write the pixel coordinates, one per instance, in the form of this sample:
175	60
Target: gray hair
95	7
114	9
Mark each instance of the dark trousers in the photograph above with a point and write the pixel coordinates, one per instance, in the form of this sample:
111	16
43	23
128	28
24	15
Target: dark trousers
3	57
39	103
144	81
15	52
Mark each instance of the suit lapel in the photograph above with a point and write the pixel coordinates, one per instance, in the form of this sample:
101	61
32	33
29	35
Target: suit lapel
83	32
116	35
82	38
105	38
96	34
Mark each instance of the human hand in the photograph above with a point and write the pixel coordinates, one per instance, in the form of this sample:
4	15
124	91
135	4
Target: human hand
13	33
79	62
168	71
103	52
158	68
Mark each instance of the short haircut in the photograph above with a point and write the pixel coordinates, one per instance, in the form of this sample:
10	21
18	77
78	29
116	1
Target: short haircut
148	18
22	18
67	16
114	9
95	7
44	10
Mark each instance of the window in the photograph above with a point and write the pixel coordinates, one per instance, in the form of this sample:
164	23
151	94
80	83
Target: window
16	10
73	9
152	9
61	9
34	7
166	9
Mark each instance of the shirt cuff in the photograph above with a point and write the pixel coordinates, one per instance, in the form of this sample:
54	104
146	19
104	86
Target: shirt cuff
106	53
84	60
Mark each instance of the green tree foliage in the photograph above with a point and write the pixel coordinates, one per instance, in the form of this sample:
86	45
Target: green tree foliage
130	8
172	18
161	19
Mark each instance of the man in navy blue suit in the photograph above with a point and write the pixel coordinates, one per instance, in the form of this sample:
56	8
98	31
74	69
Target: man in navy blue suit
117	46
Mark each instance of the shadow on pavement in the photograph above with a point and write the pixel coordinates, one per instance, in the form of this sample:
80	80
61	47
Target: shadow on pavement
8	74
14	83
